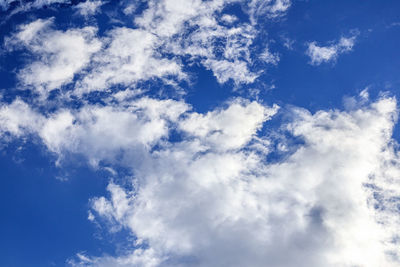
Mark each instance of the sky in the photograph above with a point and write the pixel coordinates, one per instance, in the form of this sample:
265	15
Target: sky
199	133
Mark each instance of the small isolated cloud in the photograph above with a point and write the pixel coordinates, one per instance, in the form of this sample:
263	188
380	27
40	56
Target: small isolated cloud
229	18
323	54
268	8
268	57
287	42
89	8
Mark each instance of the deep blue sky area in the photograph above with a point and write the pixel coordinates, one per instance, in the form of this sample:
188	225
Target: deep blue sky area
43	217
371	65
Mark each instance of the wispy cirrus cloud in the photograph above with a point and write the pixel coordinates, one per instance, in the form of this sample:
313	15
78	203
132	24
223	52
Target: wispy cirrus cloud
5	4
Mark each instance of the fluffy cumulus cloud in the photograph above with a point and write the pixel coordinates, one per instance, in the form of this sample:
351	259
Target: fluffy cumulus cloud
61	54
212	198
98	132
202	203
18	119
323	54
226	187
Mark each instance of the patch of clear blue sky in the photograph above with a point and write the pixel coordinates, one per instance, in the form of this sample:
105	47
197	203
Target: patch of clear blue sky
43	221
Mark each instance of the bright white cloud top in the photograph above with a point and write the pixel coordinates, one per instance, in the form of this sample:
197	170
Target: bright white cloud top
226	187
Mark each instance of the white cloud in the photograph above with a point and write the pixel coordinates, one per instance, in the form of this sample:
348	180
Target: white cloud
89	8
198	30
323	54
225	70
212	199
268	8
206	202
61	54
140	257
98	132
229	18
230	128
18	119
224	49
29	32
102	133
41	3
5	4
161	29
268	57
130	56
133	55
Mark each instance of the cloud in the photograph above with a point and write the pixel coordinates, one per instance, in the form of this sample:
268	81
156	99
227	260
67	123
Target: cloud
268	57
102	133
166	33
270	8
223	188
230	128
18	119
324	54
199	30
200	203
125	64
5	4
89	8
212	199
224	70
60	54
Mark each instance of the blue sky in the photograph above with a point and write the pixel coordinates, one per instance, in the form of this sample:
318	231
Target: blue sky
199	133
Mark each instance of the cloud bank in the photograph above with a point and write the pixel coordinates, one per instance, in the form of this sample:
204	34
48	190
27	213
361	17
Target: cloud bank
212	199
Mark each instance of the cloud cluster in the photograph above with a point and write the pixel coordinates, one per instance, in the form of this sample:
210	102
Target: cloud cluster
199	32
324	54
166	33
197	204
213	199
219	188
